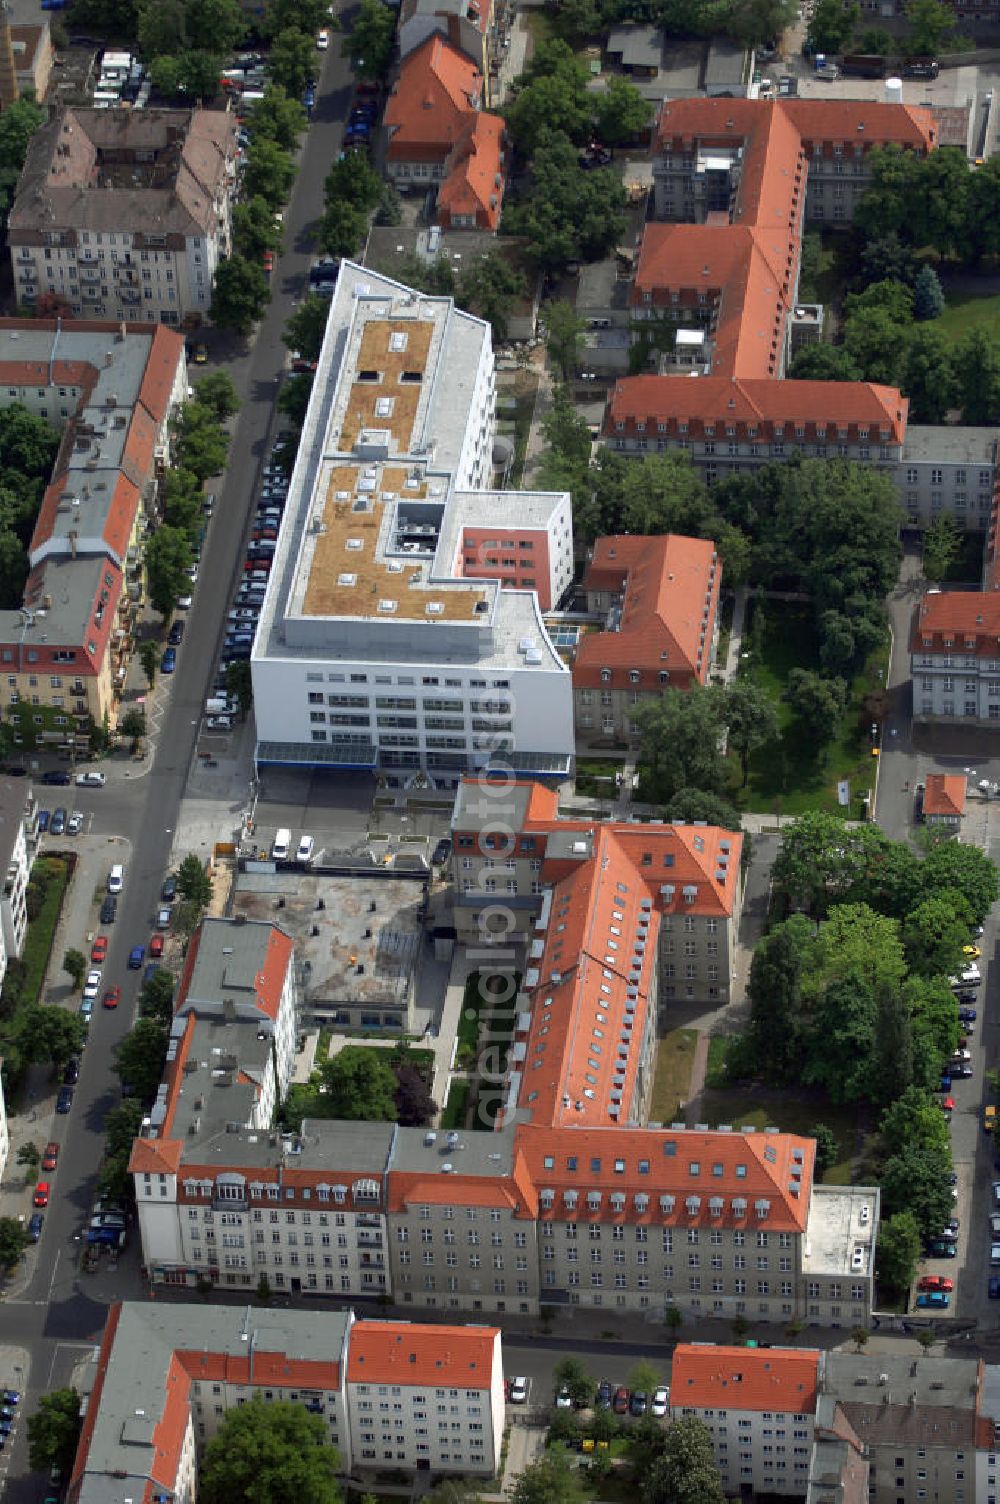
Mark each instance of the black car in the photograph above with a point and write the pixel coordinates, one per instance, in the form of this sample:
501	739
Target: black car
176	632
57	776
109	910
169	890
638	1402
64	1101
961	1072
603	1397
442	851
57	825
71	1072
968	997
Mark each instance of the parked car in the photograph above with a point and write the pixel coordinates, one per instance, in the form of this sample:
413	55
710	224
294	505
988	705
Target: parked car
92	985
169	890
967	1015
994	1287
936	1282
64	1101
604	1395
518	1391
92	780
36	1221
638	1402
441	852
74	824
136	956
304	851
176	632
936	1300
99	949
71	1071
942	1250
109	910
661	1402
44	816
169	661
57	825
620	1402
41	1196
50	1158
56	776
564	1400
156	945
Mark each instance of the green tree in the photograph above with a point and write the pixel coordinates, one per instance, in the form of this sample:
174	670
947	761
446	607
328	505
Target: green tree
565	331
892	1066
931	25
621	112
821	860
149	657
552	96
306	327
13	1242
217	391
121	1128
983	211
293	399
47	1033
776	1037
139	1058
679	734
822	362
935	1026
239	296
214	25
28	444
239	683
918	1181
685	1470
273	1452
817	704
571	1375
977	377
200	442
168	559
751	718
832	26
490	288
841	1039
29	1155
343	228
564	214
255	229
566	431
371	41
913	1120
75	963
967	870
360	1085
927	375
695	804
928	299
309	15
292	61
876	342
875	41
898	1251
156	997
133	723
827	1148
269	172
279	117
886	258
18	123
644	1376
354	179
193	882
553	1479
934	933
942	541
54	1430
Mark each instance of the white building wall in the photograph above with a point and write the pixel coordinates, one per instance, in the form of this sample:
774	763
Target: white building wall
757	1451
4	1133
13	910
159	1228
408	1426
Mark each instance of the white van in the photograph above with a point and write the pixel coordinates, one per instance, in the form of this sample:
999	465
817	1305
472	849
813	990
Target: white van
281	845
116	878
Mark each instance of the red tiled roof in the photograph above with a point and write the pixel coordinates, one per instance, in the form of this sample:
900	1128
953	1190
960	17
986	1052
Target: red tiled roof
268	1368
730	121
474	181
155	1156
400	1352
944	794
271	981
967	619
682	1178
171	1427
436	92
671	596
719	402
706	1377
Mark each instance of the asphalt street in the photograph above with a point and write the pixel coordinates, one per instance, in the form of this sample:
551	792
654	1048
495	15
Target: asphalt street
60	1311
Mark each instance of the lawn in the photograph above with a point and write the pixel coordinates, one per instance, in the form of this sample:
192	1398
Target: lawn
453	1113
715	1070
793	1112
966	311
595	777
789	777
823	279
482	1021
41	931
674	1059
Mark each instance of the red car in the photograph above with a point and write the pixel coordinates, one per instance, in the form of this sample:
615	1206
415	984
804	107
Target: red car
41	1197
620	1402
51	1156
268	260
111	997
99	949
936	1282
947	1104
156	945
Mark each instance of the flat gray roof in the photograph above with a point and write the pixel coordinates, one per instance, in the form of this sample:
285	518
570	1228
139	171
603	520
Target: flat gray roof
504	806
471	1153
913	1401
229	961
949	444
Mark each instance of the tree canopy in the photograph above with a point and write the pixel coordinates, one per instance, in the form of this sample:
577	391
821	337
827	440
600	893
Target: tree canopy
54	1430
565	215
274	1452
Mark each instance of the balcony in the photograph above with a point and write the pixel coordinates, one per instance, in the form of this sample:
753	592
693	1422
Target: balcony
369	1240
365	1219
372	1261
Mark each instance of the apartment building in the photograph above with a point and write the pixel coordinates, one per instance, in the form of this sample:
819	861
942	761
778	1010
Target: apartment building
437	134
390	1394
124	214
380	646
758	1407
19	816
111	390
245	969
511	850
473	27
660	601
736	183
955	658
